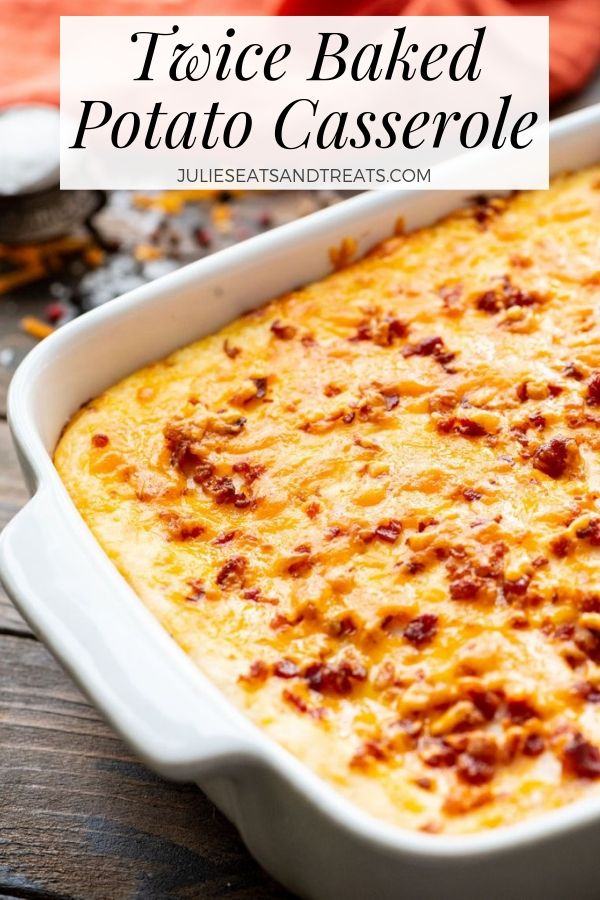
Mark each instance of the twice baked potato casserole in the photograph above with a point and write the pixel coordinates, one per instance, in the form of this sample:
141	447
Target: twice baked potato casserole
370	512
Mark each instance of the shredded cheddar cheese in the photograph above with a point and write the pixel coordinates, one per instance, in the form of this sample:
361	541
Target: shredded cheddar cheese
370	512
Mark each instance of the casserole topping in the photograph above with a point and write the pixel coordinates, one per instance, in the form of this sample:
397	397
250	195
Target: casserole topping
370	512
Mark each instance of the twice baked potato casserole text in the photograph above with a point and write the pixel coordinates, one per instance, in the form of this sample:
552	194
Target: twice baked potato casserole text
370	512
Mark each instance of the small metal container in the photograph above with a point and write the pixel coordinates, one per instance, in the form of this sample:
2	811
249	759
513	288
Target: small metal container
32	206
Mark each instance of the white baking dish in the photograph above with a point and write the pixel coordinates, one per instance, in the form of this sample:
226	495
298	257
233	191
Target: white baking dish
309	837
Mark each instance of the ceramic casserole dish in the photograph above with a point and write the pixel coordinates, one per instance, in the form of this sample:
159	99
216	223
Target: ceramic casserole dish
310	838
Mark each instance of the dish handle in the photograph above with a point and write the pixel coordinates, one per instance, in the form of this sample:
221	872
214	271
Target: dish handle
80	606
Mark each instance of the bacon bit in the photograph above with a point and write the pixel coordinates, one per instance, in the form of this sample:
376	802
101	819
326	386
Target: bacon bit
35	328
301	705
249	472
233	573
516	588
564	632
179	528
388	531
486	702
474	770
203	237
285	668
383	331
534	745
283	332
370	751
302	565
312	509
225	538
183	437
476	764
293	699
520	711
279	622
198	591
344	627
591	532
261	388
466	588
537	420
54	312
145	394
551	458
146	252
424	524
555	390
334	679
463	426
436	753
234	427
332	390
431	346
591	603
265	220
470	494
391	401
342	255
221	488
421	630
485	209
505	296
593	390
560	545
100	440
412	728
581	758
231	352
571	371
521	262
257	673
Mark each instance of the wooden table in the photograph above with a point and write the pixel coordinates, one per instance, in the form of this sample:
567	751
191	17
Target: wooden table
79	817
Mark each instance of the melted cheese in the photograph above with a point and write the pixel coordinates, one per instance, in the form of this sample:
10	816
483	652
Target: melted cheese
370	512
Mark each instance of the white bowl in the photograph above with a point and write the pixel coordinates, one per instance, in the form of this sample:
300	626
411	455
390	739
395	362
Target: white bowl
308	836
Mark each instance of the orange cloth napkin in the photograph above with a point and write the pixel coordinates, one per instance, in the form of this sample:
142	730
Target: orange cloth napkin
574	26
29	31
